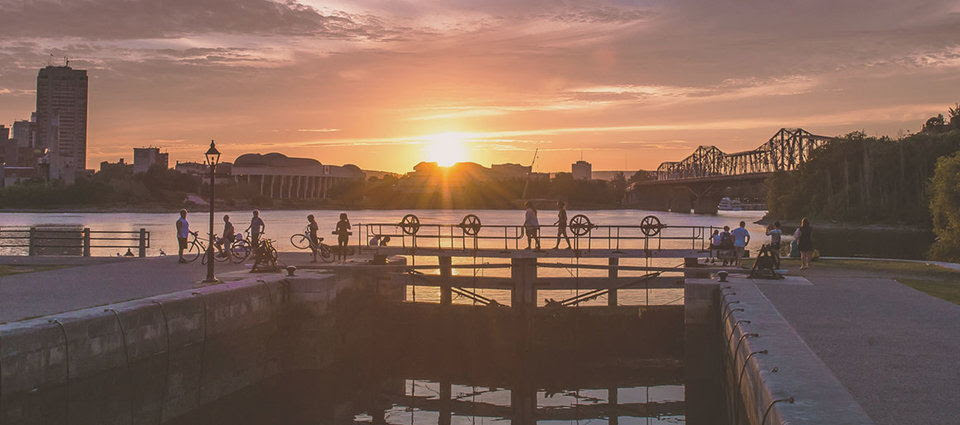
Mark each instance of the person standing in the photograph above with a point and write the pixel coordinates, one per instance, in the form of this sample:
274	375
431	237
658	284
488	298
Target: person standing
343	236
183	232
775	234
256	228
531	226
726	246
715	240
804	237
312	229
562	224
741	237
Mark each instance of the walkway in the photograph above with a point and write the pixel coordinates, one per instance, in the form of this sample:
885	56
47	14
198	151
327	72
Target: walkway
94	281
895	348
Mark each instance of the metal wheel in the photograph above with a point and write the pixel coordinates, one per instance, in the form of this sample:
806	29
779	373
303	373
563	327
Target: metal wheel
580	225
300	241
650	225
325	254
410	224
470	225
240	251
192	253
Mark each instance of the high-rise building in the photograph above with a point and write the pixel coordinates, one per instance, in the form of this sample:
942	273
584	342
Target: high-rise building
144	158
23	133
581	170
61	125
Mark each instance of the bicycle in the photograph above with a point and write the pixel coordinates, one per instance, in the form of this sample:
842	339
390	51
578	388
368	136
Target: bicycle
302	241
241	248
197	249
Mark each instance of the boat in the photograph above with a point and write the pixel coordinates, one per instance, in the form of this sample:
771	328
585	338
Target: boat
727	204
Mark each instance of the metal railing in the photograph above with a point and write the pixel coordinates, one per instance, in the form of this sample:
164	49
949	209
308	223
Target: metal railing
583	235
72	241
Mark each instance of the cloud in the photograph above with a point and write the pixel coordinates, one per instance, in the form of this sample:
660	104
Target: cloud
144	19
318	130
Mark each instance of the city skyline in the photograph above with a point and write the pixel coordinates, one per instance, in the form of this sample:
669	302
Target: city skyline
628	84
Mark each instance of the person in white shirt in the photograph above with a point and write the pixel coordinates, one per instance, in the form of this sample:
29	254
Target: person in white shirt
531	225
183	232
775	234
741	237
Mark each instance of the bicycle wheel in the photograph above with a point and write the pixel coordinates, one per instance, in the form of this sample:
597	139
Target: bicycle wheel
222	256
300	241
325	254
192	252
240	251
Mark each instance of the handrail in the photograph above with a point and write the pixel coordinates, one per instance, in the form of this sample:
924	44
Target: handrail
46	238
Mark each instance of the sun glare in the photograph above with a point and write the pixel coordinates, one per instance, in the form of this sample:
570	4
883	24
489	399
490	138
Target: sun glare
445	149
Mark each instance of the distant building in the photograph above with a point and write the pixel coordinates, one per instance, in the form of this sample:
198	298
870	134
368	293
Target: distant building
510	171
281	177
23	133
4	133
61	125
144	158
111	166
11	175
581	170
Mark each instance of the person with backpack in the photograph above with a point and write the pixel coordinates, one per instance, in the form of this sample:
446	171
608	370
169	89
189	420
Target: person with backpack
726	246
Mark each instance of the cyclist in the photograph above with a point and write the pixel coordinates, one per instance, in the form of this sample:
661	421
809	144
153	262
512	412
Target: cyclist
227	237
343	236
183	232
256	228
313	228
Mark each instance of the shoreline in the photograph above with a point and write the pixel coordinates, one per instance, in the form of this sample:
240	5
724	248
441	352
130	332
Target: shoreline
831	225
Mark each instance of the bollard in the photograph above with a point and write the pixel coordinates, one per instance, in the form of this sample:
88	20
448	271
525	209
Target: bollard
86	241
143	243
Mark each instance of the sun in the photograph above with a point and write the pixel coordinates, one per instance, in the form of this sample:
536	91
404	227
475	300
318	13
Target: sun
445	149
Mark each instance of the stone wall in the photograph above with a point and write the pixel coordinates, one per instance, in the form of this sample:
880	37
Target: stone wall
143	361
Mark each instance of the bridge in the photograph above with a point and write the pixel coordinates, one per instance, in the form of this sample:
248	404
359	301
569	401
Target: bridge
699	181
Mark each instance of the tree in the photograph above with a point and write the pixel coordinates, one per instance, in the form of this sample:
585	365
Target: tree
945	208
954	112
935	124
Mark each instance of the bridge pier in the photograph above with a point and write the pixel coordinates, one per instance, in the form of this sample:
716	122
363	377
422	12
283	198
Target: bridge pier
523	272
446	272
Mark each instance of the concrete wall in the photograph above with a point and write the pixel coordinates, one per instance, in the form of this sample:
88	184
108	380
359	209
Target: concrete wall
772	376
144	361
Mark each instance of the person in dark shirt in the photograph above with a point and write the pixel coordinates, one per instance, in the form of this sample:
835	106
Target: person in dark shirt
256	228
226	239
562	225
312	229
343	236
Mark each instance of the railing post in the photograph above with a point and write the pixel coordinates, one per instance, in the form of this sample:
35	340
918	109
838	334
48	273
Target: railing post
31	249
613	273
523	272
446	272
86	241
143	243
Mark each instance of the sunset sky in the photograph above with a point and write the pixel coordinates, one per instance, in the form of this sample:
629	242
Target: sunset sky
381	83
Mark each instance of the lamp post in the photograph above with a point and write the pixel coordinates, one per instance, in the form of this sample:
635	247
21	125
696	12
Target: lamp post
213	158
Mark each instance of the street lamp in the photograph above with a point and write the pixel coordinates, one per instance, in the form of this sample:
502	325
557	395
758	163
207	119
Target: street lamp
213	158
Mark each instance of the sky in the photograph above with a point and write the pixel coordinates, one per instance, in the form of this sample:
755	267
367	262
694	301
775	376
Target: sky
385	84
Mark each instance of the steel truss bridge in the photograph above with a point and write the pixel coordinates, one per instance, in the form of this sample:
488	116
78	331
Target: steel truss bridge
785	151
700	180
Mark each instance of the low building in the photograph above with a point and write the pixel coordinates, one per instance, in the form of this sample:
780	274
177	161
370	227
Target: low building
510	171
581	170
112	166
281	177
11	175
144	158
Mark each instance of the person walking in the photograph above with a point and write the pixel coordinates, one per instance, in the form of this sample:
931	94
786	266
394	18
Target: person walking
183	232
343	236
256	228
562	225
227	237
804	237
741	237
531	226
312	229
775	234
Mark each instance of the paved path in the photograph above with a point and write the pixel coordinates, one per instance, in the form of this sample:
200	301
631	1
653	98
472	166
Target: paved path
99	281
895	348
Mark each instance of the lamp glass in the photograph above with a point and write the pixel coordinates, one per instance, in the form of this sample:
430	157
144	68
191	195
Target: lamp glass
212	154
